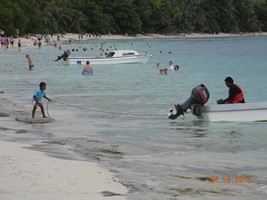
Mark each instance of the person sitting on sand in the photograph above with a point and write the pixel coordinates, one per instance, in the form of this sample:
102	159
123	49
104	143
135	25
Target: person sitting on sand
31	66
37	97
87	69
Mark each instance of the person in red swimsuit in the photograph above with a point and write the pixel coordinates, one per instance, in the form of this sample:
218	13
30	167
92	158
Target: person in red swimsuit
236	94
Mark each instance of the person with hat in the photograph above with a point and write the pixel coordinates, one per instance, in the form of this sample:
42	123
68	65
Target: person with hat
235	92
31	66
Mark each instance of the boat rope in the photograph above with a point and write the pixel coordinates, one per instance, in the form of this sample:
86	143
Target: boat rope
101	111
47	109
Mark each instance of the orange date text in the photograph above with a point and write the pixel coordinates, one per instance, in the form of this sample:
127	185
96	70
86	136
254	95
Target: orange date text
231	179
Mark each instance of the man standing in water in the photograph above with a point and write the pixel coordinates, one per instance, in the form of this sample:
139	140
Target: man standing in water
31	66
37	97
236	94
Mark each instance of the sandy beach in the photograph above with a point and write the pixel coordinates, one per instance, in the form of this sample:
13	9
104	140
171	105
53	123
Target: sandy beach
27	174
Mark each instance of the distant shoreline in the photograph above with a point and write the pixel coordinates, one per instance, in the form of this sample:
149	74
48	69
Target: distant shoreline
28	42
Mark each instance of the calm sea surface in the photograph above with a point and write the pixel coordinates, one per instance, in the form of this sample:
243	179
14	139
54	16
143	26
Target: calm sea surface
155	157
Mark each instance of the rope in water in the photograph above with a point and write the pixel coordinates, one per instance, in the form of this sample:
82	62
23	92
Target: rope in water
47	109
101	111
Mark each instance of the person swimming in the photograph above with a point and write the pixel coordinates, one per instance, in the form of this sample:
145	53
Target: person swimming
87	69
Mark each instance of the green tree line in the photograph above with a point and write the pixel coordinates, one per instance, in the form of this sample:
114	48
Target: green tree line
132	16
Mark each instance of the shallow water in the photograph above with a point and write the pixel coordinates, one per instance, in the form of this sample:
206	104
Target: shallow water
155	157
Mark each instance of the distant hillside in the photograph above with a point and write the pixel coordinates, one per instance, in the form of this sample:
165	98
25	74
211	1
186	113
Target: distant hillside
132	16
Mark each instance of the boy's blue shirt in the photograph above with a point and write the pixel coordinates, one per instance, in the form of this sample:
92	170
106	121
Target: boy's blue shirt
39	94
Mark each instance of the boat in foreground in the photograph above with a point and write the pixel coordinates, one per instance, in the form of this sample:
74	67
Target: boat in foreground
114	57
242	112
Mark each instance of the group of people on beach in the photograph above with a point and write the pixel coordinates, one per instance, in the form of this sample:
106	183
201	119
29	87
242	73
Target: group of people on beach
7	42
38	42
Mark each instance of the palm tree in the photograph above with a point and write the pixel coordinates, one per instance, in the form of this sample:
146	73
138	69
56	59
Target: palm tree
157	3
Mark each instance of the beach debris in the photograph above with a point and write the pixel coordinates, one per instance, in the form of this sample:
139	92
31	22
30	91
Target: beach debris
54	142
112	151
20	131
192	191
3	114
5	128
110	194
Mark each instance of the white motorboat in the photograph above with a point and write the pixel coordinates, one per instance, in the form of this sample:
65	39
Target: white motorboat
243	112
114	57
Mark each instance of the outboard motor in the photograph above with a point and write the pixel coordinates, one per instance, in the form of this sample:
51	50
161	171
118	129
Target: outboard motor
65	56
200	95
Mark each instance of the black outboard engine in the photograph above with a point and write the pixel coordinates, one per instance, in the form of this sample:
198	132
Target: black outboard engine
65	56
200	95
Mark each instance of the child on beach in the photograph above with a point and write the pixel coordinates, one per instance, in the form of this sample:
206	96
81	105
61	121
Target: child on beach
37	97
31	66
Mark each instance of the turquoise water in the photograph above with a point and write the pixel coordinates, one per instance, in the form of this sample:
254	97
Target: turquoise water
155	157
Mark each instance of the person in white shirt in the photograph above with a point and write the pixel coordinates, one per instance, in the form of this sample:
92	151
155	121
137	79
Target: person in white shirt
171	67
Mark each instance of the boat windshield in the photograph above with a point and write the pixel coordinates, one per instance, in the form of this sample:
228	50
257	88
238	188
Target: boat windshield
110	54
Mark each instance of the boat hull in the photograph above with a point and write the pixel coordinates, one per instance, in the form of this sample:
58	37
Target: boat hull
109	61
243	112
